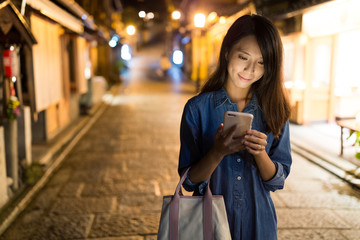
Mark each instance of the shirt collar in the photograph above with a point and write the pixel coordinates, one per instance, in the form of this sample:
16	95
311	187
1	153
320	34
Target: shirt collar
221	97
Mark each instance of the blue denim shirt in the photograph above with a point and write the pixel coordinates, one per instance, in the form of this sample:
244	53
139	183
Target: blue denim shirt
250	210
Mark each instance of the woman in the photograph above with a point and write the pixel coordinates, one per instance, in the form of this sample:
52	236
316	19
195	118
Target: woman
244	169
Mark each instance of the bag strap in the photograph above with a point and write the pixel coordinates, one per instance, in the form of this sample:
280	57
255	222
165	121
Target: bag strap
207	215
174	211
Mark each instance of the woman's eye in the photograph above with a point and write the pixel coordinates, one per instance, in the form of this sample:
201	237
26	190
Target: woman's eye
261	63
242	58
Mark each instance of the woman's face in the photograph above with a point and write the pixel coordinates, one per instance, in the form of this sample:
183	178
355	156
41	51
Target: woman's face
245	63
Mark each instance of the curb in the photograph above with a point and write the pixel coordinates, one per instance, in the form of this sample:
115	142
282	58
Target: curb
335	165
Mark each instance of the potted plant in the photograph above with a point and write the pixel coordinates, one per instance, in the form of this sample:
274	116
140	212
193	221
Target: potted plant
13	108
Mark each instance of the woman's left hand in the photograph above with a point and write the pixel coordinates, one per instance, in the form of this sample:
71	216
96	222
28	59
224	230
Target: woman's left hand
255	142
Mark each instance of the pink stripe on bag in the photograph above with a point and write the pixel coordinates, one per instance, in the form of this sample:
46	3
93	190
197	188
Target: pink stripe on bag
174	212
207	214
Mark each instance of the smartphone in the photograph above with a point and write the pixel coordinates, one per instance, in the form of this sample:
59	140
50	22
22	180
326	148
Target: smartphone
243	119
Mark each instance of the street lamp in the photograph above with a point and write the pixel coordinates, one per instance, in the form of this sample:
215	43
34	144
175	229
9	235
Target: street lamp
150	15
176	15
199	23
199	20
222	20
171	30
212	17
130	30
142	14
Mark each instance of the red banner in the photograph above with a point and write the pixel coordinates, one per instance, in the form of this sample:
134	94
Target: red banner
9	61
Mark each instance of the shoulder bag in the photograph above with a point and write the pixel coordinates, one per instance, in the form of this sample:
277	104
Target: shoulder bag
193	217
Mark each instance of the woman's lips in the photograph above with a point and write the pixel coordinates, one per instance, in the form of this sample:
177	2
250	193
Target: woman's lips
244	79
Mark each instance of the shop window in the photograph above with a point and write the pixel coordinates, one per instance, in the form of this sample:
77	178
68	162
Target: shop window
288	62
321	63
347	79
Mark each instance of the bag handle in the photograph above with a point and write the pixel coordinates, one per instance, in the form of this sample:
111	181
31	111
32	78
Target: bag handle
174	211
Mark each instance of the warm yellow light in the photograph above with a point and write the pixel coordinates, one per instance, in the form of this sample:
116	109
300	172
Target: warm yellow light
222	20
130	30
176	15
303	39
199	20
212	16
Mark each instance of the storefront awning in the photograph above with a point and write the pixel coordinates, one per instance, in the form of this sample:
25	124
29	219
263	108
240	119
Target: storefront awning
13	26
59	15
74	7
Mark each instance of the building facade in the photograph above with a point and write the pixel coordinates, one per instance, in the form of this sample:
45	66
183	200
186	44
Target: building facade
320	46
321	61
52	51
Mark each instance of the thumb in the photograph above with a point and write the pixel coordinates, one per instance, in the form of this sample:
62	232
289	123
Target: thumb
219	131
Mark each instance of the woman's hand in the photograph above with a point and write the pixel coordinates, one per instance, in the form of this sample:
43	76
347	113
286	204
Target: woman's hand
225	143
255	142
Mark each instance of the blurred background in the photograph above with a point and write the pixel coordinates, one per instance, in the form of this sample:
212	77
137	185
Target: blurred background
59	57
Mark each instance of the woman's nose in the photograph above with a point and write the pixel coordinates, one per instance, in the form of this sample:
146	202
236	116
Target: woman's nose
250	67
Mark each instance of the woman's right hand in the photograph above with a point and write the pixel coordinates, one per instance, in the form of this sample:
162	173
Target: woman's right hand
225	143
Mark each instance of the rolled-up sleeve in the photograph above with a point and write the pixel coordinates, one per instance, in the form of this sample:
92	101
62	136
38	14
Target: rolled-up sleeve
280	154
198	188
189	146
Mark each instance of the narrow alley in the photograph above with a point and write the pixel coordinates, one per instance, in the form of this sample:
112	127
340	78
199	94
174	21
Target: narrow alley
111	184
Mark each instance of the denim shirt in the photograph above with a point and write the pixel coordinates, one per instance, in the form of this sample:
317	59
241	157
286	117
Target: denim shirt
250	210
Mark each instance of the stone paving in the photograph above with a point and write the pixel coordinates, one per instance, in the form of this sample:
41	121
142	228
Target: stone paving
110	186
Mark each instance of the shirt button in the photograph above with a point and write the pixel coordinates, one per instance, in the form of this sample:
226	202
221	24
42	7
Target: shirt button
239	178
238	160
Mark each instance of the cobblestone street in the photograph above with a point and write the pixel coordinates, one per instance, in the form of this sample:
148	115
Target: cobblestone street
110	186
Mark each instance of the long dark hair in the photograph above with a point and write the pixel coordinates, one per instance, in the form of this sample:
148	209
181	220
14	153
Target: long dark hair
269	89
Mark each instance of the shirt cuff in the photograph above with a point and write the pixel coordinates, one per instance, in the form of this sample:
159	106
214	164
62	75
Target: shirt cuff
197	188
277	182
